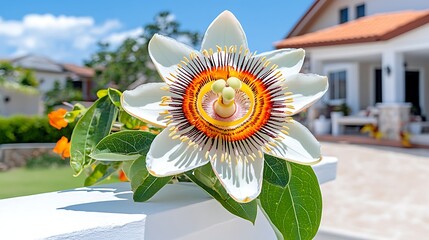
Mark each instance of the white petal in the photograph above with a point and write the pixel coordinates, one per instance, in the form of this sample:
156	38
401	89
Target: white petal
168	157
306	89
241	179
289	60
143	103
298	146
225	30
166	53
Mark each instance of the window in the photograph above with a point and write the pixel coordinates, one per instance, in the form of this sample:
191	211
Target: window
344	15
337	85
360	11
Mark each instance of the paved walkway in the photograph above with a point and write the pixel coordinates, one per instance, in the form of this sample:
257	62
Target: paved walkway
379	191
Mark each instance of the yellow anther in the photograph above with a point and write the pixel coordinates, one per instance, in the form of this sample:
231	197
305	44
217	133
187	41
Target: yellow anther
285	132
172	133
166	88
267	63
175	137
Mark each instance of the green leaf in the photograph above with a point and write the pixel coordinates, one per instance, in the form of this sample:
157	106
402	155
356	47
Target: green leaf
115	97
101	172
276	172
93	126
143	184
207	180
132	146
126	166
123	146
296	209
72	115
129	121
101	93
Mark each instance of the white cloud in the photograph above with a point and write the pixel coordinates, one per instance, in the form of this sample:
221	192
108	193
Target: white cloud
117	38
10	28
64	38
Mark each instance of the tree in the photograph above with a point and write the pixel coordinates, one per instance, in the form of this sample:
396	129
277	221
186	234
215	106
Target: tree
26	77
130	62
17	74
58	94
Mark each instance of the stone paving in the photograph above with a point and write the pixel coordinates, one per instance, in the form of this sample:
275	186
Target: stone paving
379	191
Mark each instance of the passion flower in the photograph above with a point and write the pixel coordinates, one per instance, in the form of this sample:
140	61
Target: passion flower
227	106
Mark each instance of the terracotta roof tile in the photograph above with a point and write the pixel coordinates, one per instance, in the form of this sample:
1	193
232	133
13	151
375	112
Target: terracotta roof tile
367	29
79	70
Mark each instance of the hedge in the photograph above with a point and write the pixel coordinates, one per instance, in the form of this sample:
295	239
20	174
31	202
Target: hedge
30	129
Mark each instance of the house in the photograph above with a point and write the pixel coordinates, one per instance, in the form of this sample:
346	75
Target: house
17	99
373	51
48	72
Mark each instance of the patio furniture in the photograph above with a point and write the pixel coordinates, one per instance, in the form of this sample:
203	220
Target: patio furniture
340	122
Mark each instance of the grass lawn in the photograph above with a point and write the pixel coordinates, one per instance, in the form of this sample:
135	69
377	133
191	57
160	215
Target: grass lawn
23	181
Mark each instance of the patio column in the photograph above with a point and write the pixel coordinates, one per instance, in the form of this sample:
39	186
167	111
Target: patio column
393	84
316	66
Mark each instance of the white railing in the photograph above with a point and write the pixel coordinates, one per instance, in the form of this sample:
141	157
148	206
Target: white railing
180	211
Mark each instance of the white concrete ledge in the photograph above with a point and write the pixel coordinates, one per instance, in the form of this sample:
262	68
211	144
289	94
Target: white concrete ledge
180	211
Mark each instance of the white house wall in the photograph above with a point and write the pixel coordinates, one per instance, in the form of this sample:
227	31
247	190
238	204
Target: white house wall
47	80
366	70
330	15
394	51
19	103
378	6
352	85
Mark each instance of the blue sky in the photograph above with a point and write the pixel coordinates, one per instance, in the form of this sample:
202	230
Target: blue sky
67	31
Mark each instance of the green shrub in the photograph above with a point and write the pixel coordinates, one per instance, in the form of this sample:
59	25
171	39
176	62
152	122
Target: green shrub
46	160
26	129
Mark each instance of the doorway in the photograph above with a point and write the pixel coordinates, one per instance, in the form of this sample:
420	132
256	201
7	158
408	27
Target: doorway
378	86
412	91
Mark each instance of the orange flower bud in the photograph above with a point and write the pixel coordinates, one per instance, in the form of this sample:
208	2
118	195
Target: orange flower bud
62	147
56	118
122	176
